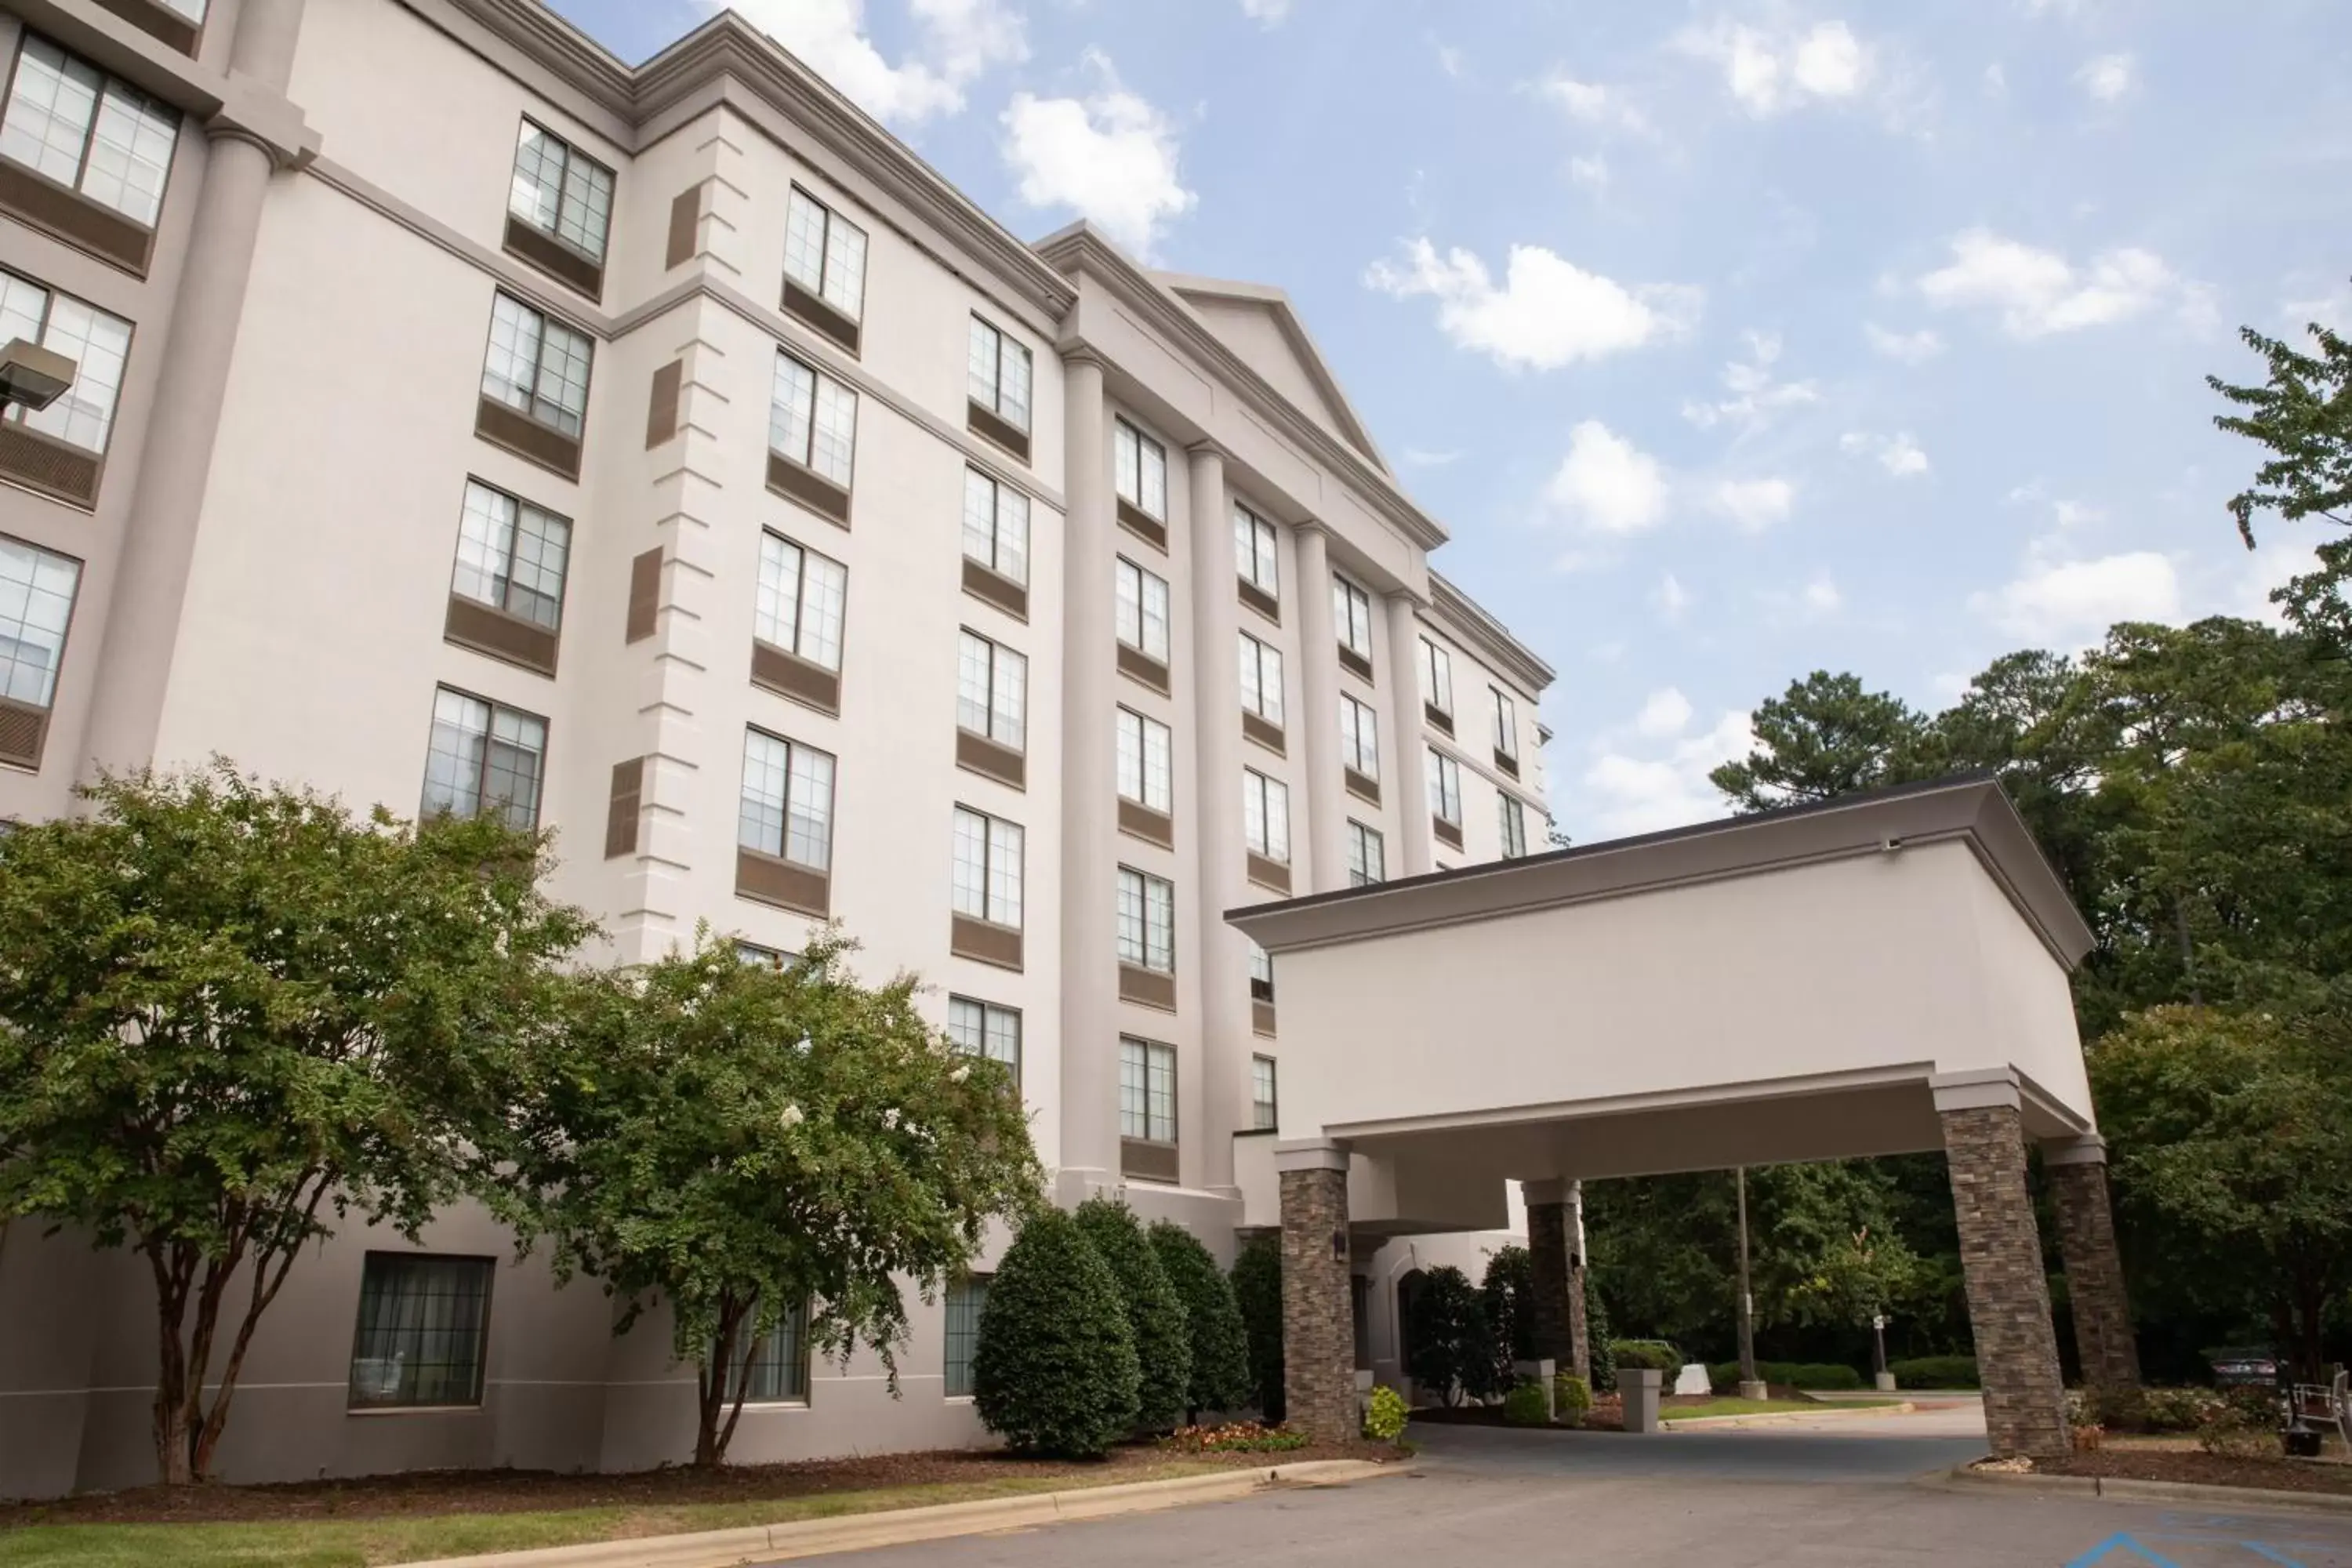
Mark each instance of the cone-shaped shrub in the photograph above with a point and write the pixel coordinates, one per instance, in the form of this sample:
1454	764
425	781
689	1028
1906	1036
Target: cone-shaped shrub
1164	1344
1221	1379
1055	1371
1257	1289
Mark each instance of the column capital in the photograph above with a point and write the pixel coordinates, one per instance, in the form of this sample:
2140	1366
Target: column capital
2089	1149
1310	1154
1983	1088
1417	601
1208	446
1312	525
1077	355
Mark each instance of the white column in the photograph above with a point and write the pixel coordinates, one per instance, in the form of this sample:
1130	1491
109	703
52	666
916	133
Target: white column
1216	748
1090	793
1407	764
1315	728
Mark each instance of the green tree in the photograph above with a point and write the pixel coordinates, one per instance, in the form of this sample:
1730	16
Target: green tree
1257	1292
1155	1315
1055	1370
1213	1320
1508	1293
235	1014
2300	413
1452	1346
1825	737
734	1141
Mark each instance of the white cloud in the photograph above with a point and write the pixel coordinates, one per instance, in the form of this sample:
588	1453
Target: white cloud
1905	348
1593	103
1422	457
961	40
2073	603
2073	513
1671	598
1628	794
1768	74
1755	397
1754	505
2038	292
1820	596
1449	60
1898	454
2066	514
1996	80
1591	172
1266	13
1606	484
2107	77
1548	312
1110	156
1666	713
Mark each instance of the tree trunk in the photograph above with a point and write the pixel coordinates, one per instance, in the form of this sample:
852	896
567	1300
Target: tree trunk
171	1271
710	1439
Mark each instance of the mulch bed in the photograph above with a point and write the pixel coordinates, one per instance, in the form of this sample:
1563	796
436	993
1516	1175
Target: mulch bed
434	1493
2204	1469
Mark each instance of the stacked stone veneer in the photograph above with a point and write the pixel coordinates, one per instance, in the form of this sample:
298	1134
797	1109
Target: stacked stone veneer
1319	1340
2095	1273
2008	1297
1548	1247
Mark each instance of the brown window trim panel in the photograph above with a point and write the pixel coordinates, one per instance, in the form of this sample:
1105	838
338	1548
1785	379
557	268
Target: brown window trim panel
1143	668
24	733
1362	787
644	595
1264	732
1139	821
56	468
1262	1018
1141	1160
1448	833
493	632
789	675
1147	987
1507	762
991	586
1270	874
990	759
768	879
1258	599
624	809
1143	525
1349	659
525	437
984	942
685	236
568	266
1438	719
798	482
158	21
67	214
992	427
813	313
662	403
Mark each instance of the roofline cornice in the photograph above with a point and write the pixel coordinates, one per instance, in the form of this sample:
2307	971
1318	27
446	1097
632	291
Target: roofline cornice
1079	248
1505	652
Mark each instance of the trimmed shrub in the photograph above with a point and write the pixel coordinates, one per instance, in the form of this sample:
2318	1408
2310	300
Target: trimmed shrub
1571	1400
1055	1371
1935	1372
2242	1424
1508	1295
1220	1374
1596	1337
1257	1292
1385	1414
1163	1341
1828	1375
1657	1355
1453	1346
2176	1409
1524	1406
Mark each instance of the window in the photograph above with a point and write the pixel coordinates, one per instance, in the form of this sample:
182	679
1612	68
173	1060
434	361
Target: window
423	1324
1507	726
1253	551
1445	787
1146	922
1143	762
1359	737
1515	825
786	808
1436	678
778	1370
1262	1100
966	1300
825	253
562	192
812	420
1366	864
987	867
1142	611
1265	815
800	603
998	375
1146	1090
993	690
71	122
510	555
985	1029
536	367
97	342
996	526
36	600
761	957
484	757
1351	613
1139	466
1261	972
1261	679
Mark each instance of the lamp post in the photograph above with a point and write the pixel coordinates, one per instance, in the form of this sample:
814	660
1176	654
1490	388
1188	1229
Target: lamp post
1883	1379
1750	1386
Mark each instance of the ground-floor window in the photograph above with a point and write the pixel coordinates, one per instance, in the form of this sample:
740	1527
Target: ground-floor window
779	1372
424	1325
966	1296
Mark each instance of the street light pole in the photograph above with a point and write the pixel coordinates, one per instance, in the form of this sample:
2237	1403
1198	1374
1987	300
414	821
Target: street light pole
1750	1386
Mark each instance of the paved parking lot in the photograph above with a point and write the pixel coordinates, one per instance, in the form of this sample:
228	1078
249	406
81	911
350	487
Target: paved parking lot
1838	1491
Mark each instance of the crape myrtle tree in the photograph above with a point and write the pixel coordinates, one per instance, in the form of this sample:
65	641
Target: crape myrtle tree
234	1014
733	1141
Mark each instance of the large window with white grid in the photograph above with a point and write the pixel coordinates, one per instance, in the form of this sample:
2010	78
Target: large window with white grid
1351	617
1142	609
560	190
825	253
1139	467
537	366
1261	679
1253	551
997	375
484	757
801	599
1265	815
787	801
992	691
987	881
1144	768
985	1029
422	1331
1445	776
71	123
1367	861
512	555
1146	1090
98	343
996	526
1147	920
1360	737
812	420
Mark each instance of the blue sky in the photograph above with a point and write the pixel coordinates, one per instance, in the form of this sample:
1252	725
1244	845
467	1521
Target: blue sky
1730	341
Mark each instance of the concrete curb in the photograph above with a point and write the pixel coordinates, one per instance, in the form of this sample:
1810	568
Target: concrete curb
2124	1490
896	1527
1694	1423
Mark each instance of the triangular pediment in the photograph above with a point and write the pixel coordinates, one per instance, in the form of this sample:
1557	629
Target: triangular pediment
1261	326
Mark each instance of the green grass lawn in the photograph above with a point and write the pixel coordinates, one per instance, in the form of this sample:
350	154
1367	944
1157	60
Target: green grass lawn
1746	1408
360	1542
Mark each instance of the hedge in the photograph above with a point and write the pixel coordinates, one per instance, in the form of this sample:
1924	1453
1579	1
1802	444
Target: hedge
1055	1371
1828	1375
1220	1372
1658	1355
1257	1290
1935	1372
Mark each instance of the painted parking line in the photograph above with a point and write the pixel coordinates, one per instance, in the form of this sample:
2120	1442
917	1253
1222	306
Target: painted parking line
2219	1540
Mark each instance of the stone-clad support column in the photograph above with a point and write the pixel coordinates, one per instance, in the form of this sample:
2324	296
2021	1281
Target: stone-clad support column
1318	728
1548	1245
1405	757
1580	1323
2077	1169
1319	1340
2001	1257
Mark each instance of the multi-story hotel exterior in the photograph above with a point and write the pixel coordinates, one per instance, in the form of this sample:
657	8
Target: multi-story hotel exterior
465	421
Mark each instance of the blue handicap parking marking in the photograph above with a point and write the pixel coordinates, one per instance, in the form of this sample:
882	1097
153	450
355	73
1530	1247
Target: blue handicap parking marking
2218	1541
